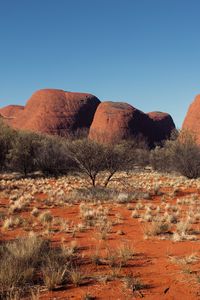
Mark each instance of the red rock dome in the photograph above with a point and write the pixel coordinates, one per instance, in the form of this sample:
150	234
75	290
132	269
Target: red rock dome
163	125
115	120
11	111
192	119
57	112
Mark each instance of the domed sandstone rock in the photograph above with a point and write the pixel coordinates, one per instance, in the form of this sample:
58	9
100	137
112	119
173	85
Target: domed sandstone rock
163	125
57	112
116	120
192	119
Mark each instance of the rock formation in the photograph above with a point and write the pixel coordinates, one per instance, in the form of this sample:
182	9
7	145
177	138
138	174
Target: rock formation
163	125
192	119
57	112
11	111
114	121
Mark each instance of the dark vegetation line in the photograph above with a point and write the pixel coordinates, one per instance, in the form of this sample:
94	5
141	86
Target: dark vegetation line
27	153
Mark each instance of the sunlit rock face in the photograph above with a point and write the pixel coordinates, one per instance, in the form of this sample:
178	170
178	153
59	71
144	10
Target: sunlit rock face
11	111
56	112
192	119
114	121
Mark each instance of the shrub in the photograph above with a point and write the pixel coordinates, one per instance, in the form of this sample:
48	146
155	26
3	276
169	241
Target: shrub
181	154
185	154
46	217
157	228
27	249
22	154
136	150
76	276
19	261
55	270
25	261
93	158
161	159
51	156
125	253
7	136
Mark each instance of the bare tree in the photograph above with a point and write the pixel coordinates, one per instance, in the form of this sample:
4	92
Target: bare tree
89	156
117	158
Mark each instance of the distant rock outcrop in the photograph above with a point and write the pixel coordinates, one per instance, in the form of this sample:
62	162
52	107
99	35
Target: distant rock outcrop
11	111
192	119
163	125
57	112
114	121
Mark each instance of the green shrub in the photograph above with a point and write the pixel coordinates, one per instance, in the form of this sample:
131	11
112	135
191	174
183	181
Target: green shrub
51	156
180	154
7	136
21	156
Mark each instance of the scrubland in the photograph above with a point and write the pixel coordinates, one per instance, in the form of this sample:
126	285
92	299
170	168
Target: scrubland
81	220
63	239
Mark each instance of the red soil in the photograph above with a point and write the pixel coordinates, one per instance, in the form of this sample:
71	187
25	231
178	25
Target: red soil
161	278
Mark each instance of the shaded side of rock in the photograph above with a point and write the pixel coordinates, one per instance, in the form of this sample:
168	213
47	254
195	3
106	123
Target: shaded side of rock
163	125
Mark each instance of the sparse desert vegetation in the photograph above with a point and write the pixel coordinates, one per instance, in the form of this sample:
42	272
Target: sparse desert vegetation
97	225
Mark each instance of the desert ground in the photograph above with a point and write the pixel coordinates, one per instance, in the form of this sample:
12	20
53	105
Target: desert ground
137	238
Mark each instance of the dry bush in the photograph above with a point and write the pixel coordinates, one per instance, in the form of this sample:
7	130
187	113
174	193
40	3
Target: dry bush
104	227
160	159
135	214
112	257
55	270
76	276
26	260
120	256
125	253
95	257
180	153
92	158
188	259
46	217
27	249
116	159
157	228
18	263
89	157
186	155
94	194
35	212
8	223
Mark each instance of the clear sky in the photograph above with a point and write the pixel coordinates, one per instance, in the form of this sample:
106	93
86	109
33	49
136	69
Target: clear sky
144	52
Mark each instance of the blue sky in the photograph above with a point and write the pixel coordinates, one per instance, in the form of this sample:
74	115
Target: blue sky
144	52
